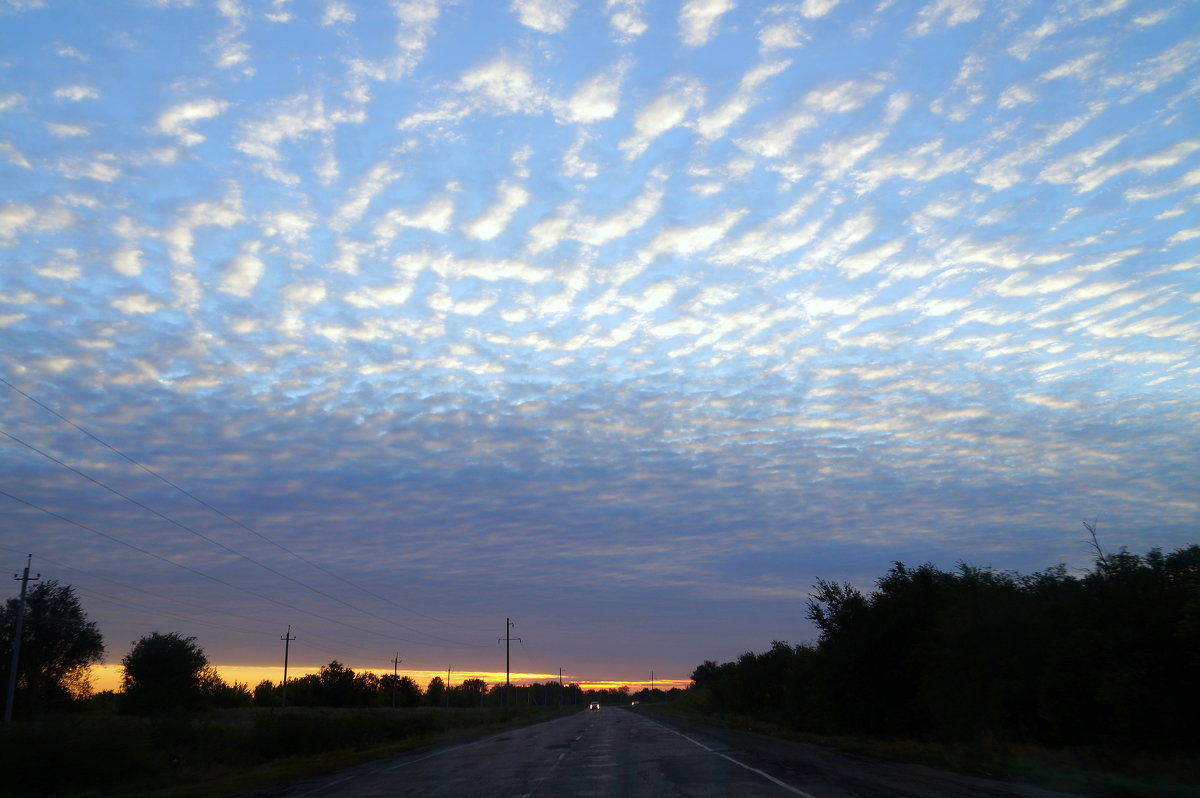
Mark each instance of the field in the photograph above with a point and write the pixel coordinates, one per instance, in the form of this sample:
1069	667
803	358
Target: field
225	752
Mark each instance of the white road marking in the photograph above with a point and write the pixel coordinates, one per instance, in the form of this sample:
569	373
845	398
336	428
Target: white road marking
766	776
327	786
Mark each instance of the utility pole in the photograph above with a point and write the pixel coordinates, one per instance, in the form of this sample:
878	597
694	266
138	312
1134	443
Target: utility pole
508	638
395	676
16	652
560	688
287	641
447	687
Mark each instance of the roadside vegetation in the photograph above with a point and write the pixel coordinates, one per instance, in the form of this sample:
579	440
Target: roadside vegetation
994	673
177	729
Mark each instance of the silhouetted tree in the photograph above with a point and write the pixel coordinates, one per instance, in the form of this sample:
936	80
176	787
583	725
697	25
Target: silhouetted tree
58	646
266	694
165	673
408	692
435	693
1108	658
473	692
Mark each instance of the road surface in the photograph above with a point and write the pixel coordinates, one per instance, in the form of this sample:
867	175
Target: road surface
623	753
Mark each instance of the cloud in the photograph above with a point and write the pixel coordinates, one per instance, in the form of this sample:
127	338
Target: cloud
336	13
714	124
626	17
867	261
374	180
100	168
175	121
18	218
292	119
128	261
436	215
687	240
76	93
137	304
13	155
670	109
297	298
598	97
231	52
61	131
1183	183
417	21
573	162
1148	75
510	198
546	16
243	272
291	225
567	223
1081	68
698	19
947	12
775	138
1093	178
280	14
1015	95
781	36
503	85
1005	171
814	9
180	236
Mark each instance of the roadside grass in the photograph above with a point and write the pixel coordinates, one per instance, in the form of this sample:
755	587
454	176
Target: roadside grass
1093	772
224	753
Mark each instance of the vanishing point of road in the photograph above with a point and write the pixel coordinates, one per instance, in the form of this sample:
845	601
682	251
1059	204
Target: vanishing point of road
623	753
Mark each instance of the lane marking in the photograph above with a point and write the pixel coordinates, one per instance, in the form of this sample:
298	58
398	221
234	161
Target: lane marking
766	776
326	786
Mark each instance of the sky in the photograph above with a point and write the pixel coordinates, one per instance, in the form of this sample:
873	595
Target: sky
388	322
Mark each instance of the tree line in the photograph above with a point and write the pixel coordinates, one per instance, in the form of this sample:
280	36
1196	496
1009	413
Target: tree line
166	673
1108	658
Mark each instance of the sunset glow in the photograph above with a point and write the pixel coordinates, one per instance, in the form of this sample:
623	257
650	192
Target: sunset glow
108	677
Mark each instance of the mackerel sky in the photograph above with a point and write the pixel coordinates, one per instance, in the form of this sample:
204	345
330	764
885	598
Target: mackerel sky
627	320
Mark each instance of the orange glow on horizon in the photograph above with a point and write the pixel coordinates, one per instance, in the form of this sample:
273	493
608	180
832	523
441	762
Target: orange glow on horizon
108	677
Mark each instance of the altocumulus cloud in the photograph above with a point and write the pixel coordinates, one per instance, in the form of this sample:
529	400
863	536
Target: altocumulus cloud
615	318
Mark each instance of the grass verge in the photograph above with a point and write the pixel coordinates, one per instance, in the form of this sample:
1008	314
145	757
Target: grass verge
1085	771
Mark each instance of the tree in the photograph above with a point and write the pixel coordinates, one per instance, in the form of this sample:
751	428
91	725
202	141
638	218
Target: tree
58	645
165	673
435	693
337	685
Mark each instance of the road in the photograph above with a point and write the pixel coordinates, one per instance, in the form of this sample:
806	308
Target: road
624	753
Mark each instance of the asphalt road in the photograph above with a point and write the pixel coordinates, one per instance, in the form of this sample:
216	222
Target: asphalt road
621	752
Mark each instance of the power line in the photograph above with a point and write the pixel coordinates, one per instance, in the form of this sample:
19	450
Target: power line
216	579
224	515
217	543
93	593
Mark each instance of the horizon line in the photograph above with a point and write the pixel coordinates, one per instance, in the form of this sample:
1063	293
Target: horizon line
107	677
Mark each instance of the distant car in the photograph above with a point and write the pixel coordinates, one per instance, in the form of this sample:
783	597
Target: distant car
594	705
633	703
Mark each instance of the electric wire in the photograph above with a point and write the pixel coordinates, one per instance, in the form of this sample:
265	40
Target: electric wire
157	610
217	543
224	515
216	579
